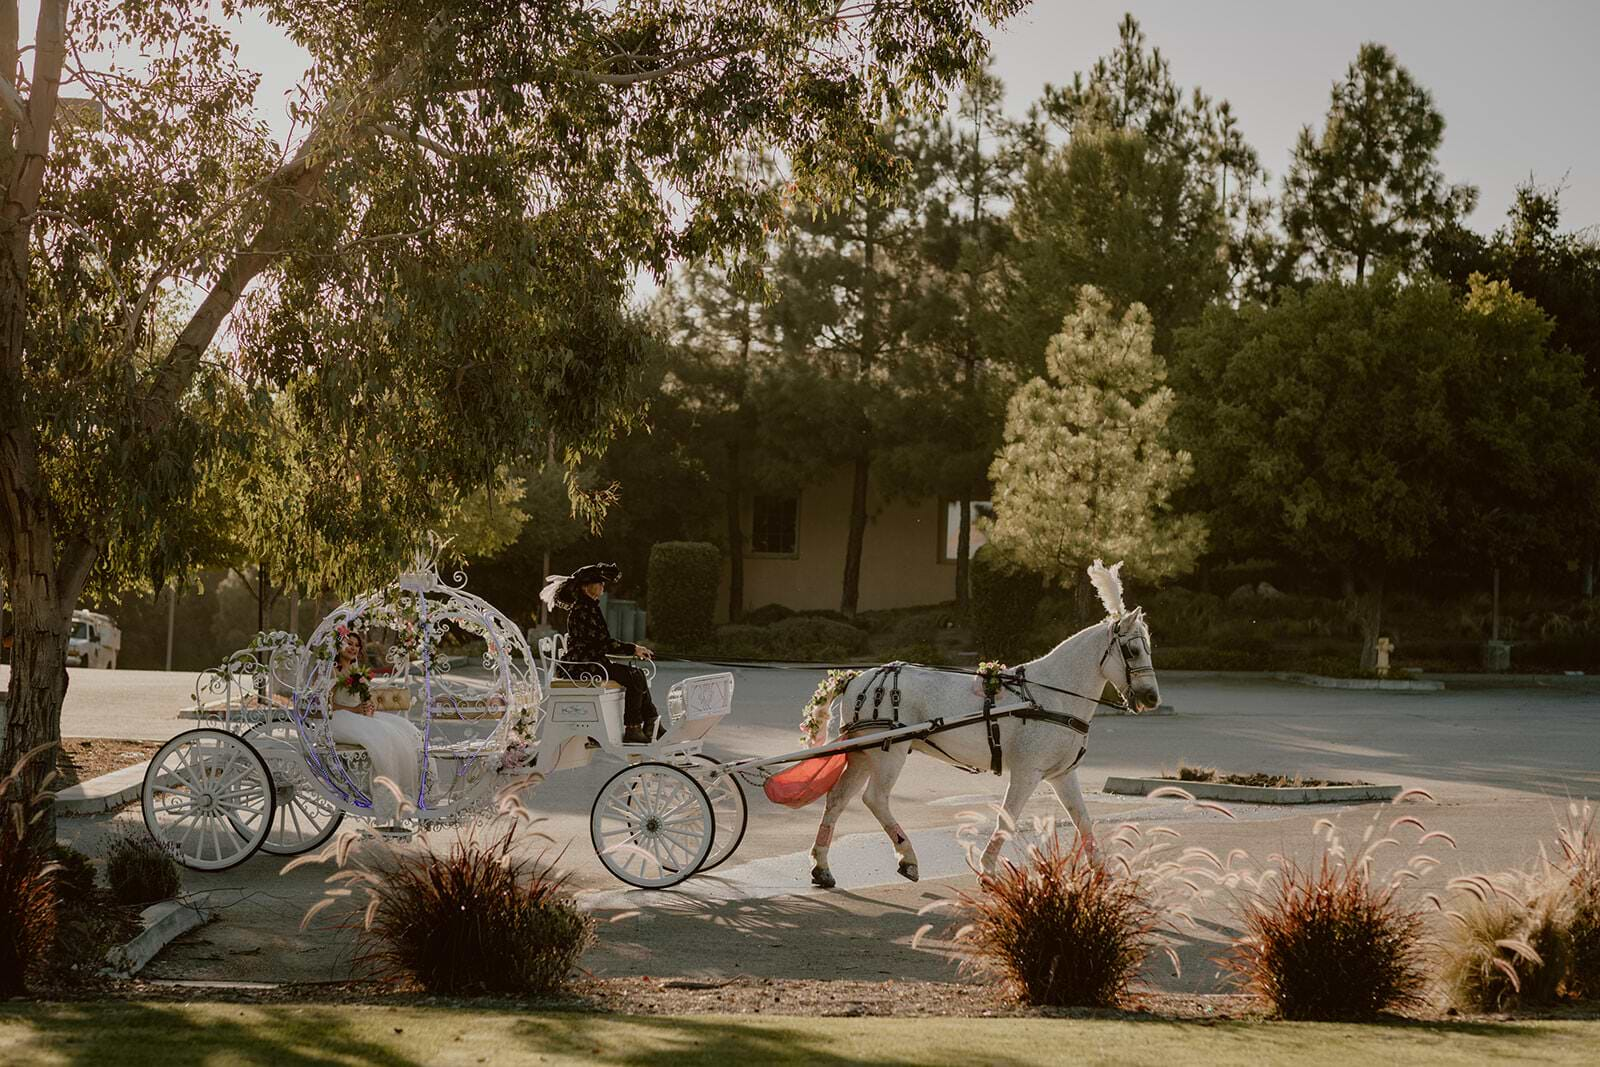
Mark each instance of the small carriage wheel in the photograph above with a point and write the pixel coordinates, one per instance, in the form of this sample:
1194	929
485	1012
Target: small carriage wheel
208	797
652	825
727	803
304	816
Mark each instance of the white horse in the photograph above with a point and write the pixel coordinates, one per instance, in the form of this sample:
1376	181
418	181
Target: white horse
1068	680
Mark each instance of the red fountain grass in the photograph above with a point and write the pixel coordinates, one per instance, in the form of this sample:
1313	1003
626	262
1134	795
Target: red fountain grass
27	883
1061	930
1580	847
473	920
1325	943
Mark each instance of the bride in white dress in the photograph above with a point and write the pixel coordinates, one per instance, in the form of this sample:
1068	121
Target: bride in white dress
392	743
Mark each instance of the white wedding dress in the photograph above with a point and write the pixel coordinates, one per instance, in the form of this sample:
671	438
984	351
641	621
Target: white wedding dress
392	744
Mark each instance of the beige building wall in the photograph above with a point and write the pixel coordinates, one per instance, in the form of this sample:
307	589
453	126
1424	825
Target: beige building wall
900	558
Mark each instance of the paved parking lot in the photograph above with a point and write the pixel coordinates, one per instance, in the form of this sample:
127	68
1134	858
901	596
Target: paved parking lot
1500	762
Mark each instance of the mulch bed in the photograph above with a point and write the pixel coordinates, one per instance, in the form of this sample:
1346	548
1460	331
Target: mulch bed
750	996
82	758
1258	778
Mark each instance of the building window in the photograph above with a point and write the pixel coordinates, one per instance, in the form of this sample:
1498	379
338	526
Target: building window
981	509
775	525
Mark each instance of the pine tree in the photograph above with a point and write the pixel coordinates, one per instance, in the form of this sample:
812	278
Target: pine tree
1085	471
1369	186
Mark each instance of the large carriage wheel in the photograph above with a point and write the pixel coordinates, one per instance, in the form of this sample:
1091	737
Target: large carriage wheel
304	816
652	825
208	797
727	804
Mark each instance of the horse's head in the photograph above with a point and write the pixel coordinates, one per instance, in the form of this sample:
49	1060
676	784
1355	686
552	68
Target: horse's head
1127	663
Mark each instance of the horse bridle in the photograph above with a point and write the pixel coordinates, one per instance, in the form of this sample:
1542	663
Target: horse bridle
1123	644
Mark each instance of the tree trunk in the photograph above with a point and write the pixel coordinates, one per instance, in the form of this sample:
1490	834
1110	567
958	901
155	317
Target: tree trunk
858	537
172	619
963	550
735	536
1371	618
42	623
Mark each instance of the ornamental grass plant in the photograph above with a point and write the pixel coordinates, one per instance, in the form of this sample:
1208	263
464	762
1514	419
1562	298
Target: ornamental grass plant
471	920
27	885
1334	941
1580	847
1068	927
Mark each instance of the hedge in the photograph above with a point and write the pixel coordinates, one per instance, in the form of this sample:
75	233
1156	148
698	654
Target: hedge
1004	599
684	576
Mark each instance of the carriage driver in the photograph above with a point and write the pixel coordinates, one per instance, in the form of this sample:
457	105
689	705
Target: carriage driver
589	642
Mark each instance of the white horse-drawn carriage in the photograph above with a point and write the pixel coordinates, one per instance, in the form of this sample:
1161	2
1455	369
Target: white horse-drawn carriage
267	773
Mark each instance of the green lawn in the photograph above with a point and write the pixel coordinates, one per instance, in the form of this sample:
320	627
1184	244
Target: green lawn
178	1035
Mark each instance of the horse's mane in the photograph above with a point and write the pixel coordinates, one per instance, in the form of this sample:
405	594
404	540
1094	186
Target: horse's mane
1107	581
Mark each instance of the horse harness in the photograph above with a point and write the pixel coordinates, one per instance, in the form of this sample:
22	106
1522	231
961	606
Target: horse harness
887	679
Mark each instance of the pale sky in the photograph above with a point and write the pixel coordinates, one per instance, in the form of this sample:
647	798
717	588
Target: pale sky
1517	82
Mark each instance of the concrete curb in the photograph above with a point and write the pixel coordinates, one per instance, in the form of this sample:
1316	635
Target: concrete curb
163	923
1398	685
1255	794
105	793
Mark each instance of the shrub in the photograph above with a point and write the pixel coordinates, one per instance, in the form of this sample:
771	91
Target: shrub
74	875
1061	930
923	628
1503	949
765	615
1580	846
471	921
923	652
1327	944
27	889
141	870
1004	598
683	578
742	642
804	631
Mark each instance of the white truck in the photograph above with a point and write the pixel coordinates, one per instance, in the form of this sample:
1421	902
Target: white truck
95	641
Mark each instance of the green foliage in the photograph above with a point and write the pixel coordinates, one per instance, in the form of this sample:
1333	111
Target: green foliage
1085	471
1366	426
1004	597
683	590
765	615
1368	188
74	876
820	633
1154	198
141	870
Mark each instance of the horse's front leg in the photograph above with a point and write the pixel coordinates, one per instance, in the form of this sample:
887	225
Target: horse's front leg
885	772
839	798
1070	793
1024	780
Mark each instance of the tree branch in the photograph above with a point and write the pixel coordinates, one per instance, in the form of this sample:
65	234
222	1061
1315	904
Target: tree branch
12	101
389	129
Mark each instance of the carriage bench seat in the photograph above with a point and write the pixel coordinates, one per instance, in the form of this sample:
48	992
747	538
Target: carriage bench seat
568	683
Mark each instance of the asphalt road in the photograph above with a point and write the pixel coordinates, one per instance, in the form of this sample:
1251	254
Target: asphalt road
1501	763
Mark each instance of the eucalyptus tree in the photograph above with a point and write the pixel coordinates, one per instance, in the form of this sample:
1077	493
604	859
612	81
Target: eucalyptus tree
425	282
1368	186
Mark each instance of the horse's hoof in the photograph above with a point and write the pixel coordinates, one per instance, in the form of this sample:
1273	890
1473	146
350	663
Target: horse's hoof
822	878
908	871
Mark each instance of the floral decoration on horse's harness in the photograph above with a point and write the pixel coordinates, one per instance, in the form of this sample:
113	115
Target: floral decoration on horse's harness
814	716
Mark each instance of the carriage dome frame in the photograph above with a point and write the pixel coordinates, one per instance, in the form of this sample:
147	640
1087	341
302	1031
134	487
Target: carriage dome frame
419	609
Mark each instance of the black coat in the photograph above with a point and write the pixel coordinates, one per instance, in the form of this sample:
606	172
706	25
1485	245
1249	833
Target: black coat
589	640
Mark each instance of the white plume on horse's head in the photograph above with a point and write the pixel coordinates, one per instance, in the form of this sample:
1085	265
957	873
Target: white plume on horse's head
1107	581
